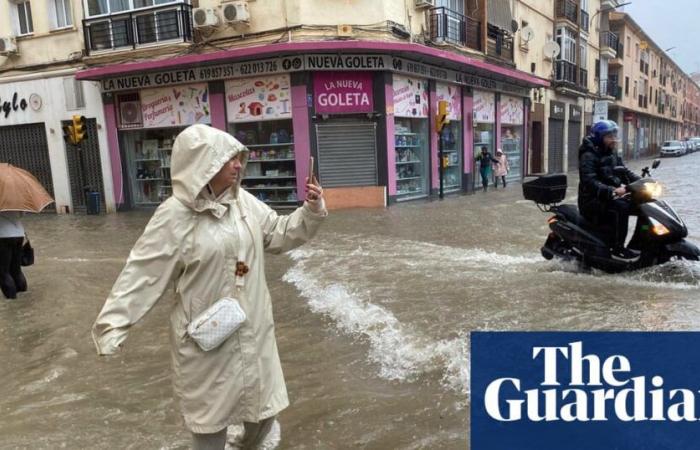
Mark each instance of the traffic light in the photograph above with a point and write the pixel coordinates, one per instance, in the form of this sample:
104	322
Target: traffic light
441	118
69	134
79	130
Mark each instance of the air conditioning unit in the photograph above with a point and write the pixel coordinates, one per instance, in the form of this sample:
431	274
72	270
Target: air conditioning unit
204	17
130	113
236	12
425	3
8	45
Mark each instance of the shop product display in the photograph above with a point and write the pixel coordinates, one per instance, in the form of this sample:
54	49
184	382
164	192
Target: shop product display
149	154
410	158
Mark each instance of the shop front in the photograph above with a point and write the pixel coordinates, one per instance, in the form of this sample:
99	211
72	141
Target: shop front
149	120
557	117
366	117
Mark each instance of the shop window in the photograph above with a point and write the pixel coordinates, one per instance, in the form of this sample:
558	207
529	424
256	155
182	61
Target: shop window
484	127
512	120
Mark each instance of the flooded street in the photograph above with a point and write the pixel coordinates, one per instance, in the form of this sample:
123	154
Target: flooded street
372	320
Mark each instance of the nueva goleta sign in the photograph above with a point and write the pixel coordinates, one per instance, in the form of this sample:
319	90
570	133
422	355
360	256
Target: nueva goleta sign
271	66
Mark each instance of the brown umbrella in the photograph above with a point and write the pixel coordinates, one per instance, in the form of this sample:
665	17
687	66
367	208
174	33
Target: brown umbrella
20	191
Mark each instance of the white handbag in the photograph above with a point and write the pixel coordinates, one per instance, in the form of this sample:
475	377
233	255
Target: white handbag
215	324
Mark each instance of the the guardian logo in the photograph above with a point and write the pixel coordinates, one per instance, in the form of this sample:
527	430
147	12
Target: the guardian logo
591	385
585	391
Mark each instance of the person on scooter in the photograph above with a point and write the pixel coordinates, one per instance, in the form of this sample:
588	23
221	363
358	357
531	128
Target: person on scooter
602	185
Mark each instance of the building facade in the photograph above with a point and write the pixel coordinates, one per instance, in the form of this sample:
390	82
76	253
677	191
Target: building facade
40	51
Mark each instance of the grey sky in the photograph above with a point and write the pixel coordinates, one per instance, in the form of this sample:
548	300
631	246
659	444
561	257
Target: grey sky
671	23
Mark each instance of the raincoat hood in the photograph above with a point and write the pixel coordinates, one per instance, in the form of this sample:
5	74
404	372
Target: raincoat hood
199	152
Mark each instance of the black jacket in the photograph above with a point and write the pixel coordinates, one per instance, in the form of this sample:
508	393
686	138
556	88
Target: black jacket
598	178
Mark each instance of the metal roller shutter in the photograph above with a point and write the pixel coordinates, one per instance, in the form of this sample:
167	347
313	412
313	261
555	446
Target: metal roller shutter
574	141
556	146
25	146
347	154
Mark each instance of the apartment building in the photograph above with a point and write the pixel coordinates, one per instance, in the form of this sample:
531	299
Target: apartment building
653	86
691	108
41	46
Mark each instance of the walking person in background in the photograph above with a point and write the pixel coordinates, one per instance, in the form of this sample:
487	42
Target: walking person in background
208	239
500	169
12	279
485	160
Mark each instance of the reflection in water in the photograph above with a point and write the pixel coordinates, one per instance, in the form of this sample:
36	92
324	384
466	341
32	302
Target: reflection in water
372	322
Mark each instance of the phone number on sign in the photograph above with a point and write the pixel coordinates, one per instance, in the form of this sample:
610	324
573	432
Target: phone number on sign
213	73
255	68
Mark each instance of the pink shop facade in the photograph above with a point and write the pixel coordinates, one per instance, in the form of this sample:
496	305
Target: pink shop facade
364	110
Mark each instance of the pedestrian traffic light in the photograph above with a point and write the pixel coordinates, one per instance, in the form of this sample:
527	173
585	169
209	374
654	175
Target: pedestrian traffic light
441	118
69	134
79	130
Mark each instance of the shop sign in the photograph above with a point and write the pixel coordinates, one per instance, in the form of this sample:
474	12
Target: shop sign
259	98
453	95
410	97
557	110
312	62
600	111
175	106
484	107
512	110
575	113
12	104
343	92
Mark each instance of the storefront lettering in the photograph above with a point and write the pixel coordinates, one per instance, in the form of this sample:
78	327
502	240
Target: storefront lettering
344	99
14	105
357	62
240	95
180	76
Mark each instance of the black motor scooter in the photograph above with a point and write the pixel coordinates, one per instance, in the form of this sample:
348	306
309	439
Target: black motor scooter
659	235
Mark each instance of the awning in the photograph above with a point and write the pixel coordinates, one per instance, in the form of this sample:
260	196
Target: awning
500	14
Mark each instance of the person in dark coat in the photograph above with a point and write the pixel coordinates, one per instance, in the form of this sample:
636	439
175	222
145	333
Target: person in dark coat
485	159
602	187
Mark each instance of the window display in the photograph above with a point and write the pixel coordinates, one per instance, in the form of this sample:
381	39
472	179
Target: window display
451	135
148	154
410	143
270	174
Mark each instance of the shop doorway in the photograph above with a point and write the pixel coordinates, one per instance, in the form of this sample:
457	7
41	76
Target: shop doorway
347	153
25	146
85	168
556	146
537	147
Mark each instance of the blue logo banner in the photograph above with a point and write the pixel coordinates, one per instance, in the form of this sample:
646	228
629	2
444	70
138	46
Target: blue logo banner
585	391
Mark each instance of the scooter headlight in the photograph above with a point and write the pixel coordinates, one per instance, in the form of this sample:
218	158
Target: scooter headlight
658	228
653	190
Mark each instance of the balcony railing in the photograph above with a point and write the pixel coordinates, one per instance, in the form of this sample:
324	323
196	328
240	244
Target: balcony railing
584	21
610	88
565	72
163	23
610	39
500	44
449	26
567	9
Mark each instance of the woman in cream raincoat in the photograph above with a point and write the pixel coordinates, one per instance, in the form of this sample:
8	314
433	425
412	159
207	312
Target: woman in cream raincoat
208	239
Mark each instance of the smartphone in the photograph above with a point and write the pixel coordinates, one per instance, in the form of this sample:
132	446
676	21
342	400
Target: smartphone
312	177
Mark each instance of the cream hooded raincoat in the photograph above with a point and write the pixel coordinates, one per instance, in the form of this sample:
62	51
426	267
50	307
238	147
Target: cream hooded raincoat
194	241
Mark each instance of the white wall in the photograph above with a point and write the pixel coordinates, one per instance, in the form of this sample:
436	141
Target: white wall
52	112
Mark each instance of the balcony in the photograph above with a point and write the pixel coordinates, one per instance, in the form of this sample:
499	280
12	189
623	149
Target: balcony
137	28
499	44
569	75
610	88
584	21
567	9
609	45
608	4
449	26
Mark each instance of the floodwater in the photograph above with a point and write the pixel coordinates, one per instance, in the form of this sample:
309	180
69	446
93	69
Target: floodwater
372	318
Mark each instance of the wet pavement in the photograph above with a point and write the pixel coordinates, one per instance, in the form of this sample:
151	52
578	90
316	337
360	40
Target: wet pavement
372	321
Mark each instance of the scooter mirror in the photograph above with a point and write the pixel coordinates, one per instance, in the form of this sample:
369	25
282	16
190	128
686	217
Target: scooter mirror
656	163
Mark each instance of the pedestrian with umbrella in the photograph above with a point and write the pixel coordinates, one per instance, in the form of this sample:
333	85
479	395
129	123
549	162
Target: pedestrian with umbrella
19	192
